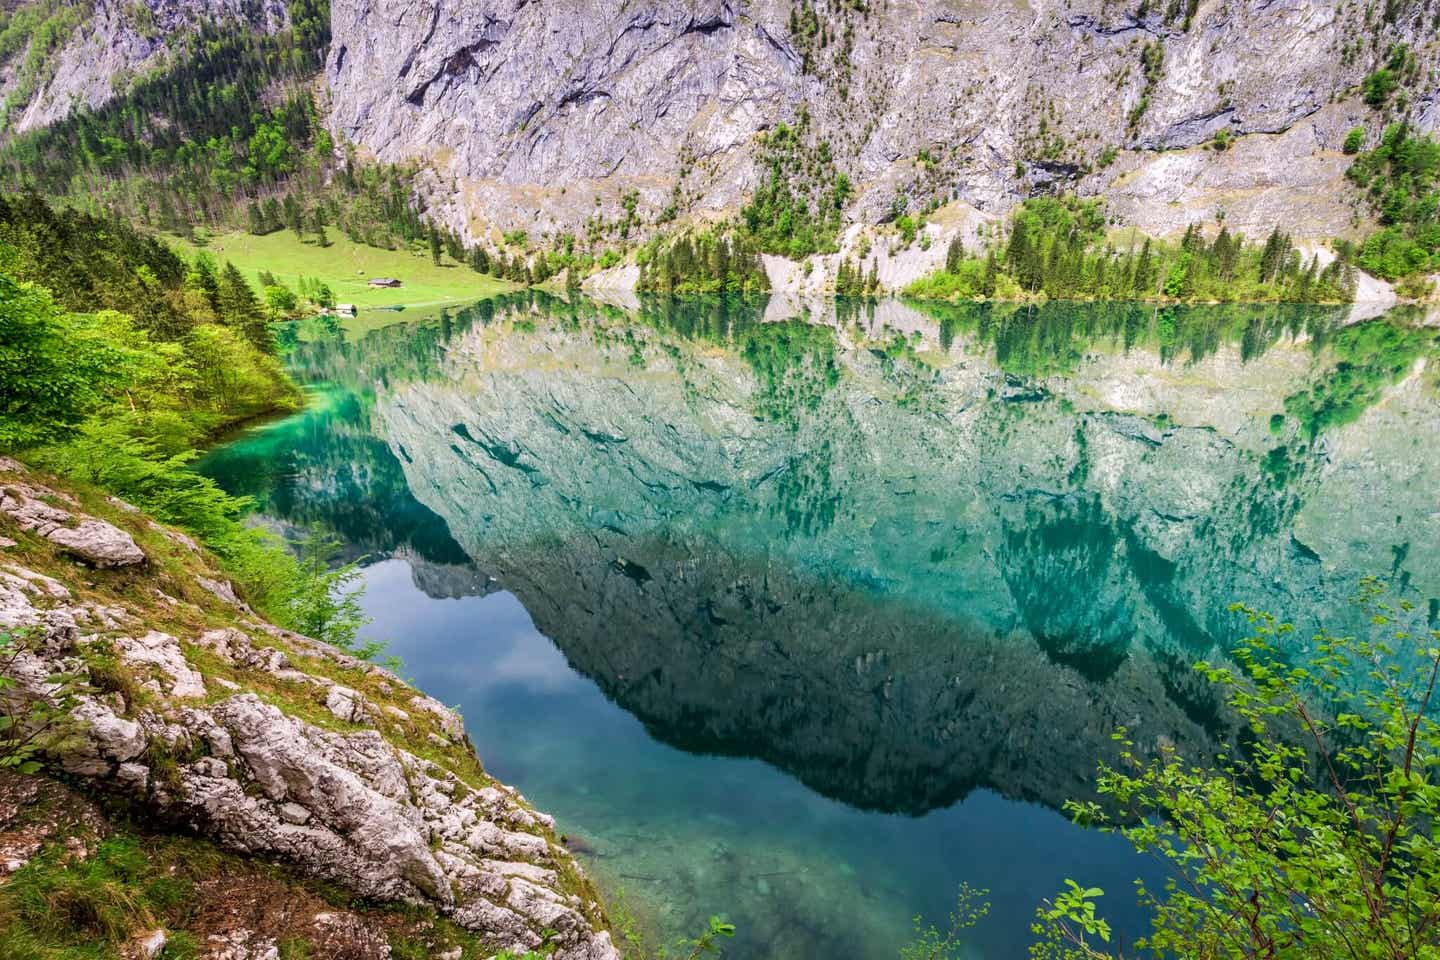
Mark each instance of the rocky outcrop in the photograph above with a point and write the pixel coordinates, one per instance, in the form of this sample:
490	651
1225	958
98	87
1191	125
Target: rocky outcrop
228	753
532	122
96	542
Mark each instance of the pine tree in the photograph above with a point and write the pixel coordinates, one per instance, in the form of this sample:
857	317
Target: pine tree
317	226
1144	272
238	307
1191	240
1272	258
954	254
274	219
201	277
1225	254
294	216
434	238
1052	273
1018	248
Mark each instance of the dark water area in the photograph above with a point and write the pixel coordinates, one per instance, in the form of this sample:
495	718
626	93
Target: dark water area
806	614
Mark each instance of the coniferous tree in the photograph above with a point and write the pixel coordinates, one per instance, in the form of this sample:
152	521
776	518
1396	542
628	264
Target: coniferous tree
202	276
274	218
1144	272
317	226
238	307
294	216
1019	247
1225	254
954	254
434	238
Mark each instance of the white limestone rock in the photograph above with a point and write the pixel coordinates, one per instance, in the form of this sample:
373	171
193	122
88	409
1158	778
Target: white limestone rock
162	651
97	542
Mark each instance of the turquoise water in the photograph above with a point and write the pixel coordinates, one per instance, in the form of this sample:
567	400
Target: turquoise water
809	621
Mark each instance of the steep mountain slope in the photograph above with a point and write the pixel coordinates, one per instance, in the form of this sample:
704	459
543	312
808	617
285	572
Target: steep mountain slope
537	118
55	57
611	120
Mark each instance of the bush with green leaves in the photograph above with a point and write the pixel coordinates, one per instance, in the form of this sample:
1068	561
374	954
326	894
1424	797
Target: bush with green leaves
29	725
1315	835
1354	140
932	943
56	368
324	599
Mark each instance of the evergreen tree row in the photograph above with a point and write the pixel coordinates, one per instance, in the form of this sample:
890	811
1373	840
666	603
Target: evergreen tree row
1058	248
705	263
88	303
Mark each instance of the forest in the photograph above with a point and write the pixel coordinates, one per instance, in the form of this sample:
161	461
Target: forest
119	360
1398	177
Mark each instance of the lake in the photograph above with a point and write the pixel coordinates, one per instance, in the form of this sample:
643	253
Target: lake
806	614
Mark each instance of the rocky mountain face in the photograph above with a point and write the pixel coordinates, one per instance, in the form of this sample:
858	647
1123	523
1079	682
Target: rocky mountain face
536	117
265	742
528	115
110	43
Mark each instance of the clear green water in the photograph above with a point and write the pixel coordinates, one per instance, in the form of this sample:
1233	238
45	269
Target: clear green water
809	621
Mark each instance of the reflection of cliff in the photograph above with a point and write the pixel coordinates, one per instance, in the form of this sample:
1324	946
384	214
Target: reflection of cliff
325	466
896	579
873	702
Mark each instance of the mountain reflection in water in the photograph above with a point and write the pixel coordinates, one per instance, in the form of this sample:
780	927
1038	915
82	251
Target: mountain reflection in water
897	552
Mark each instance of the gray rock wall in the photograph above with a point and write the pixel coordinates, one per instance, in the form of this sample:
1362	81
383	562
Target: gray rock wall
529	112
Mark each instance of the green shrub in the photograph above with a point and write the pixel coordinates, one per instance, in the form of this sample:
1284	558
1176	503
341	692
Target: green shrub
1354	140
1378	86
56	368
1315	836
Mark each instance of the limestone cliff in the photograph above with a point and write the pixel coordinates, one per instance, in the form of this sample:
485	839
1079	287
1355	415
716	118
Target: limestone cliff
198	714
537	116
533	116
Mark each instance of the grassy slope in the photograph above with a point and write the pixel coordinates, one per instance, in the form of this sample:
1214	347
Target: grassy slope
347	267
